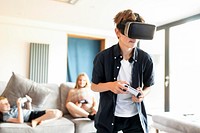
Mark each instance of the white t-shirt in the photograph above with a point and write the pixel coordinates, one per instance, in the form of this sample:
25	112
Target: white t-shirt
125	107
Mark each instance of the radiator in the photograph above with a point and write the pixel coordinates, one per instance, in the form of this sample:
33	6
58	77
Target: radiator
39	60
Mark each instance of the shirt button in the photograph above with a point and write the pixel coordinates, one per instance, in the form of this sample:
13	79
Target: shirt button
117	67
114	78
112	124
115	57
121	57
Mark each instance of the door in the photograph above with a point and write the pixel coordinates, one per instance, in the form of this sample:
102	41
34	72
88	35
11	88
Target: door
80	55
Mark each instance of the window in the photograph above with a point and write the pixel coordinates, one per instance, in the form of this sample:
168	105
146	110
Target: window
155	100
184	67
175	51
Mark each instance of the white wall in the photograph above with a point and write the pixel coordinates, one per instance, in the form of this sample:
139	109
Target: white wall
16	35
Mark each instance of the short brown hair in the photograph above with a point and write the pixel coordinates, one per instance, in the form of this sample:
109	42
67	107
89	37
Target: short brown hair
127	15
1	97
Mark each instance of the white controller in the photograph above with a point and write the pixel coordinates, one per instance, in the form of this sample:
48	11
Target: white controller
25	99
132	90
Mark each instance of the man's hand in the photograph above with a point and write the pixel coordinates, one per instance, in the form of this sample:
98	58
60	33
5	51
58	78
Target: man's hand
29	99
118	87
140	98
18	102
94	111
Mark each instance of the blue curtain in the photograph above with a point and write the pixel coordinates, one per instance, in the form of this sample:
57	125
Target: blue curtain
81	53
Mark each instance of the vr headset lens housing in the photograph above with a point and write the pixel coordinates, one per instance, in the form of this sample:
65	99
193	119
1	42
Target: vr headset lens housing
138	30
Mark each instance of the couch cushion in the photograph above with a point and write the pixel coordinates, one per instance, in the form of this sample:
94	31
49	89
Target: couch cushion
53	100
19	86
61	125
82	125
64	89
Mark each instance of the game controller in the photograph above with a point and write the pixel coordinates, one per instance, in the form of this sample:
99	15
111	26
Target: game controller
83	101
132	90
25	99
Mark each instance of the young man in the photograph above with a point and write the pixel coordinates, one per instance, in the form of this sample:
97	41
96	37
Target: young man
121	64
17	114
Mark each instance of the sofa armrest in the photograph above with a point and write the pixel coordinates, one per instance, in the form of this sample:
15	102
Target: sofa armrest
175	123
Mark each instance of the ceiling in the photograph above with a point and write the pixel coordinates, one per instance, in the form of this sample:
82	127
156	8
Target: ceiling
98	14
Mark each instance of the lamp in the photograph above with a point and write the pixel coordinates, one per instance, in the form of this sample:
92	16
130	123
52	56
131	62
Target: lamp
68	1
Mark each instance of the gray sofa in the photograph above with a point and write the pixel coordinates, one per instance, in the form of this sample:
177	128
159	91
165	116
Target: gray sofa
56	99
176	123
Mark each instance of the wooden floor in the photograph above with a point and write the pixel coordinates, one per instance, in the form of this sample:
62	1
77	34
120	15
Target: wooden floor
153	130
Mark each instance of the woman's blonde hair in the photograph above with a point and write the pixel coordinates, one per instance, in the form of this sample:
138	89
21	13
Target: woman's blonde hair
87	80
127	15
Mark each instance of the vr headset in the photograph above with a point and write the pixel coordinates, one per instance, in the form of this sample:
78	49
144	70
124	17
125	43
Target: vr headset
137	30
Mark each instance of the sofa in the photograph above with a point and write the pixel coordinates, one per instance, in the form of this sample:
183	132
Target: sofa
54	98
176	123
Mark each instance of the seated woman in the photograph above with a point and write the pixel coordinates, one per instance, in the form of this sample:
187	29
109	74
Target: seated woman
17	114
80	101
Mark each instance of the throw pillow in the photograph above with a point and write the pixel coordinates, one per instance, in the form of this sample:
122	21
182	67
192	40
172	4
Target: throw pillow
64	89
81	94
19	86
